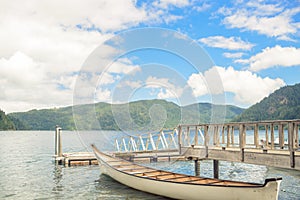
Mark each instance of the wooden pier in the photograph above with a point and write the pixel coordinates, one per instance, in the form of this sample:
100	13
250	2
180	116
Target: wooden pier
270	143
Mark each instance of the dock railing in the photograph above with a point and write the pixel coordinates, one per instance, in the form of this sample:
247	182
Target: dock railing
278	134
273	143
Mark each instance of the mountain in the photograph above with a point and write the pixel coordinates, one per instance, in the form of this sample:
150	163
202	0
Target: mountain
138	115
5	122
284	103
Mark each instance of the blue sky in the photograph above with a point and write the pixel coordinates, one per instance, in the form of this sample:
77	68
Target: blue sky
252	48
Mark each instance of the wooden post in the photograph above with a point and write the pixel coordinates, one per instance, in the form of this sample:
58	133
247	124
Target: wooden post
58	145
281	135
223	134
188	136
228	136
296	132
206	135
291	143
179	139
242	136
256	136
272	136
267	135
196	135
232	135
216	169
197	167
56	141
216	135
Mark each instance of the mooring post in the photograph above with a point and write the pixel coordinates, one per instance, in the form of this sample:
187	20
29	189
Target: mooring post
58	144
197	167
216	169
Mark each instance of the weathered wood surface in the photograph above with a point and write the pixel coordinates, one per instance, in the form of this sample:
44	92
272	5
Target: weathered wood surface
78	158
273	158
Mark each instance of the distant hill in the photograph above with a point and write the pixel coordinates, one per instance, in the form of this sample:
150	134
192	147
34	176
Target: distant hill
284	103
5	122
134	116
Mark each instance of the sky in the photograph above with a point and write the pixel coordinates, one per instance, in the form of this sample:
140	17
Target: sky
60	53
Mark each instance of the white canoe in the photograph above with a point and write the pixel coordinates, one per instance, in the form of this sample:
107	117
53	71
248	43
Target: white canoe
181	186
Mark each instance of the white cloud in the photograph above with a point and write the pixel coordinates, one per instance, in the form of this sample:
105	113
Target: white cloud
165	4
267	19
200	8
233	55
198	84
166	88
124	66
131	84
275	56
247	87
232	43
103	95
45	43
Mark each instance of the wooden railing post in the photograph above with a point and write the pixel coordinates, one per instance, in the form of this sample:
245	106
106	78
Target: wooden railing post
296	132
242	136
206	135
216	135
196	135
267	135
223	134
291	143
256	136
281	135
228	136
188	136
272	136
179	138
232	135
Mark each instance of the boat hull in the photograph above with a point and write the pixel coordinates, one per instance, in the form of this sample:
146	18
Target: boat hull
178	190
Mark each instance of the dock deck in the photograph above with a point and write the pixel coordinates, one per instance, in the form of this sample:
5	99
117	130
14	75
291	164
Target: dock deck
77	159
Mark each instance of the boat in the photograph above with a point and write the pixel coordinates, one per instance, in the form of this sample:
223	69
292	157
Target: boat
181	186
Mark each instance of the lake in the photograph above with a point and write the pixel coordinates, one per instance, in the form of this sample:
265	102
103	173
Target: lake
28	170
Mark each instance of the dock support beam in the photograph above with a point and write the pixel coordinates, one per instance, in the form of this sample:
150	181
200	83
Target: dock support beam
197	167
216	169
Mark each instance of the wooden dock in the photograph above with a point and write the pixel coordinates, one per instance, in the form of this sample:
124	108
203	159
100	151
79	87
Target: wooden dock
234	142
74	158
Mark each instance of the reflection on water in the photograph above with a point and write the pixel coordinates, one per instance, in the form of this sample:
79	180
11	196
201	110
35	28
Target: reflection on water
57	178
28	171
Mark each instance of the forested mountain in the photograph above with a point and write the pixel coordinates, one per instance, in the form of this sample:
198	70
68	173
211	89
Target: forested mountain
284	103
5	122
135	116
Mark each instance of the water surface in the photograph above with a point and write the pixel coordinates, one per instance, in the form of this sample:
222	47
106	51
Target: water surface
28	171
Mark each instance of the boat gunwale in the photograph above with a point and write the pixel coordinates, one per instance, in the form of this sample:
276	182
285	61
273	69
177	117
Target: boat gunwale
251	185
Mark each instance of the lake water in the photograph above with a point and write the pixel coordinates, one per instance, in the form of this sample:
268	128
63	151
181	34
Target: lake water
28	171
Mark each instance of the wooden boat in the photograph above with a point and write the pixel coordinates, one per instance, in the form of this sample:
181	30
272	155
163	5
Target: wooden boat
181	186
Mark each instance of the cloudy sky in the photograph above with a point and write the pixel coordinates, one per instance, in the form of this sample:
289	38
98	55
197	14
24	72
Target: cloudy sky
253	46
